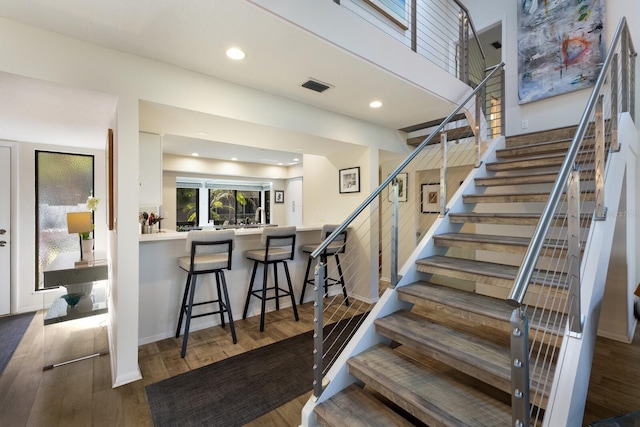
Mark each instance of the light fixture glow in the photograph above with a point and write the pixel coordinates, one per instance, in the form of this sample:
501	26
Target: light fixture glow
296	160
235	53
195	154
279	163
375	104
234	158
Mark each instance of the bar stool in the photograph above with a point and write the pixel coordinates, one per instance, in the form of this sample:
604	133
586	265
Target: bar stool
210	252
279	245
336	247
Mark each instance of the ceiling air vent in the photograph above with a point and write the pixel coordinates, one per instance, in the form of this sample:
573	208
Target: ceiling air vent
315	85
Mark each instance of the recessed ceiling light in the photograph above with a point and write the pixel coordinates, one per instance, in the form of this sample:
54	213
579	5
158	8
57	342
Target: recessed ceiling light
235	53
296	160
375	104
234	158
279	163
195	154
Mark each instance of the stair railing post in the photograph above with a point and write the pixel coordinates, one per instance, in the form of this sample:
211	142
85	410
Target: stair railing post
394	235
443	174
573	237
319	273
479	103
600	211
503	110
463	51
520	414
615	146
624	51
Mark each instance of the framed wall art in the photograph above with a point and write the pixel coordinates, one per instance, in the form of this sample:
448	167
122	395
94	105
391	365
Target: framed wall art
430	198
402	188
560	48
350	180
278	196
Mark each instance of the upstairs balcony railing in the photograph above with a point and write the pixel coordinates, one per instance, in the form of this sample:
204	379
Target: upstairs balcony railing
441	31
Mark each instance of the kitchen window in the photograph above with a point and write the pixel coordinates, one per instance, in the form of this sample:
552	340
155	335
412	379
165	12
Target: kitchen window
209	201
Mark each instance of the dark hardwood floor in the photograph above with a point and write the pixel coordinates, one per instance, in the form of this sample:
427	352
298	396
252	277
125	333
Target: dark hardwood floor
80	393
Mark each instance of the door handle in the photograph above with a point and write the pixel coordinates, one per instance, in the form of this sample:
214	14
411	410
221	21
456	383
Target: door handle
2	231
3	243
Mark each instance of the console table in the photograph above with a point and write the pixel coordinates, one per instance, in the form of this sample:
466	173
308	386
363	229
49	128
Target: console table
77	278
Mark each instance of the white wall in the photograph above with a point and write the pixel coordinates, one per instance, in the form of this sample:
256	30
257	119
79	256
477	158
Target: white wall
33	52
557	111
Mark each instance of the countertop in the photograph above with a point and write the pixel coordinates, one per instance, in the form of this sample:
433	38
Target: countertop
166	234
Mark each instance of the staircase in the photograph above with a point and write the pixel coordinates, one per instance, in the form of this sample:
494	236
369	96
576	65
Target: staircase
446	361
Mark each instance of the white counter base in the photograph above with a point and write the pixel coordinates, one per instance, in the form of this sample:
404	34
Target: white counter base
162	281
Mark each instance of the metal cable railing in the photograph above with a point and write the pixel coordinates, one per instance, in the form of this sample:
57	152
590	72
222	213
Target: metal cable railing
441	31
423	183
546	290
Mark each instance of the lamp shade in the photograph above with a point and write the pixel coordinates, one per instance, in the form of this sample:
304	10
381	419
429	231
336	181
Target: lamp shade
79	222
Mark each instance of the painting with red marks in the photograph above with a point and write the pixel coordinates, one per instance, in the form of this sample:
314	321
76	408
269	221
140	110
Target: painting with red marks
561	46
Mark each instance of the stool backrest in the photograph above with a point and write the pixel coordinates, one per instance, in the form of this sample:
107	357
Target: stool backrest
211	238
338	244
281	237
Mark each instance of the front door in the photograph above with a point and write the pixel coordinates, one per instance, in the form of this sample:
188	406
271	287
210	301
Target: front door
5	231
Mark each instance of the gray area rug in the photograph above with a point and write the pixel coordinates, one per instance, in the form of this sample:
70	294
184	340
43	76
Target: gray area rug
12	328
239	389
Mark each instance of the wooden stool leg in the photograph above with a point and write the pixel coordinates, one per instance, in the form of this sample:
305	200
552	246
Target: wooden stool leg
253	276
185	337
227	305
293	299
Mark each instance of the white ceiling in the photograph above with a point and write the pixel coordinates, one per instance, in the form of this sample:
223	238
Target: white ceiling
194	36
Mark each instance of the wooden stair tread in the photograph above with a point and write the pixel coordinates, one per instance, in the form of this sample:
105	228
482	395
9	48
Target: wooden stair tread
470	354
428	395
539	147
543	161
489	272
550	146
586	195
506	218
431	294
529	178
541	136
493	242
353	407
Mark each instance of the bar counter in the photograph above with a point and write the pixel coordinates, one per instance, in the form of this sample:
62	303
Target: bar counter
162	281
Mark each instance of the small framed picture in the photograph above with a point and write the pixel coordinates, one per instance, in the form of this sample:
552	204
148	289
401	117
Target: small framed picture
402	188
350	180
430	198
278	196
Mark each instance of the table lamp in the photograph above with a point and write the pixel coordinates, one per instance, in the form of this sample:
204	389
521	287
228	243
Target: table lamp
79	222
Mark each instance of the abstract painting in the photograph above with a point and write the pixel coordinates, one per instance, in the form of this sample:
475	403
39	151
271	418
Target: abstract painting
561	46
